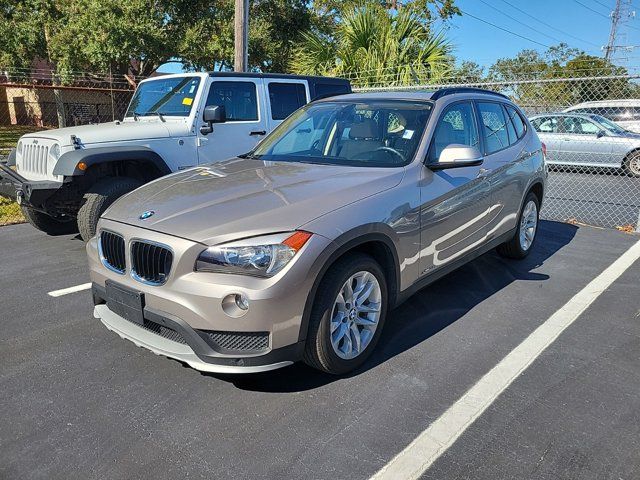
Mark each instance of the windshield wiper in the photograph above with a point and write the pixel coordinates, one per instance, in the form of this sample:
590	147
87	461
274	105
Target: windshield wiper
160	116
136	115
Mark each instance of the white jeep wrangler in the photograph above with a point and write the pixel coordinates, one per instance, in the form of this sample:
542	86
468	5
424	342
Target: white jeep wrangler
64	179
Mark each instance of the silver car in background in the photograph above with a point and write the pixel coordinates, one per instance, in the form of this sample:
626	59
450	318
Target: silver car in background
625	113
588	140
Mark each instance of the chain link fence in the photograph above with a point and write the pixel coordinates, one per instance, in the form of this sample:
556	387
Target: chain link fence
591	127
41	101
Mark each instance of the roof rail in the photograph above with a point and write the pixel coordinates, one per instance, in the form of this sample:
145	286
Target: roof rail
451	90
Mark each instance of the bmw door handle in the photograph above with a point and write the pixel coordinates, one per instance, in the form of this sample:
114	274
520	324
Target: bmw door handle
258	132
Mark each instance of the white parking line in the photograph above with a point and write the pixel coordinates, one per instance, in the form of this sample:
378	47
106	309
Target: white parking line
420	454
67	291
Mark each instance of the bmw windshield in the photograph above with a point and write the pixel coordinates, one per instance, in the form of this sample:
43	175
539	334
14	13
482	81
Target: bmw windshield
171	97
369	134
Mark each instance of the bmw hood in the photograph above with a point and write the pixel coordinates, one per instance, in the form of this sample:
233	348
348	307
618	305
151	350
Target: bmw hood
242	197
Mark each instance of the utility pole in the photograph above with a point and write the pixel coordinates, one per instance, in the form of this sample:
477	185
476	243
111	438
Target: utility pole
621	14
241	30
615	18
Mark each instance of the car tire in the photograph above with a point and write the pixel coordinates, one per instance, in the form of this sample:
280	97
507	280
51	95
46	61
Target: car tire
631	164
101	194
522	242
48	224
322	350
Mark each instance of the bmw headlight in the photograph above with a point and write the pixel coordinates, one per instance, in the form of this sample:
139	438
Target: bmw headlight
261	256
54	151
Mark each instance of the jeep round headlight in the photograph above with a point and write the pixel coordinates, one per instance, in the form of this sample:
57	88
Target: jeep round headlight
54	151
19	148
260	256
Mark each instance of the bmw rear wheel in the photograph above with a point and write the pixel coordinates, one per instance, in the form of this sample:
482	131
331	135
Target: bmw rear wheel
632	165
347	315
521	243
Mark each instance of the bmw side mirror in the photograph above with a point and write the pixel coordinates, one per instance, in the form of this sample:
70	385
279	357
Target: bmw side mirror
212	114
600	134
457	156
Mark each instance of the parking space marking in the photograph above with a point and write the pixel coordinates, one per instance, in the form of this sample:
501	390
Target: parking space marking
67	291
419	455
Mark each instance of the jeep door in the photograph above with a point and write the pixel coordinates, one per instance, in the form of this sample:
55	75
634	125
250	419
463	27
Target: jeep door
454	201
245	108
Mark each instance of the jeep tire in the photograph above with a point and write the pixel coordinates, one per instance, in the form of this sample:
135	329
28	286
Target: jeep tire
48	224
101	194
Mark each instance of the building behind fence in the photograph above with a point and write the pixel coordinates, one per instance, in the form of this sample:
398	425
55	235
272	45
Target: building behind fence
580	187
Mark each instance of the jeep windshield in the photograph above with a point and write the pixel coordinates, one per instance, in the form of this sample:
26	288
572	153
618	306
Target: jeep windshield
383	133
172	97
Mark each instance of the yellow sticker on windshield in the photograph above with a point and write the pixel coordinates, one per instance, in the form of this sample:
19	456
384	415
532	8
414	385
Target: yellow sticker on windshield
187	101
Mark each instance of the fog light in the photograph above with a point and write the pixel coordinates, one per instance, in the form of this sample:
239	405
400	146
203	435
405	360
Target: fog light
235	305
242	302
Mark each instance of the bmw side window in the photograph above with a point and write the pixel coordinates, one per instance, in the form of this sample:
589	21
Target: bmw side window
238	98
494	126
513	137
517	121
456	125
286	98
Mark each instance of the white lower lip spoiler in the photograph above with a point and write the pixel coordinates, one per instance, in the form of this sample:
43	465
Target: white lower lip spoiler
168	348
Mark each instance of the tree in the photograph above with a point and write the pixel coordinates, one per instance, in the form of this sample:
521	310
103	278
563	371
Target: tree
374	46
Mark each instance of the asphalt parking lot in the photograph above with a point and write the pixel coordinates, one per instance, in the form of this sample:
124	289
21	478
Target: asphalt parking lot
80	402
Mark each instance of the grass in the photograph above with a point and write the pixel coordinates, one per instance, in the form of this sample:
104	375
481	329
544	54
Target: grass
9	134
10	212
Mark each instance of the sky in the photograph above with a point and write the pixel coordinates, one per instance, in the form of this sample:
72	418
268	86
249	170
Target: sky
582	24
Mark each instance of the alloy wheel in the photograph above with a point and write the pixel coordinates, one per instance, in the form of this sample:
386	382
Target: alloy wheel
528	225
355	315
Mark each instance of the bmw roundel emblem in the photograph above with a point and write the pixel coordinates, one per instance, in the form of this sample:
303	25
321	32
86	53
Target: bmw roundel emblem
147	214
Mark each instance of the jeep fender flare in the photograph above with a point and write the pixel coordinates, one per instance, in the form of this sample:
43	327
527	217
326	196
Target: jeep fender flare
67	164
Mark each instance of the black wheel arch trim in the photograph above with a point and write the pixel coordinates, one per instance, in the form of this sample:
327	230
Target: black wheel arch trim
372	232
67	164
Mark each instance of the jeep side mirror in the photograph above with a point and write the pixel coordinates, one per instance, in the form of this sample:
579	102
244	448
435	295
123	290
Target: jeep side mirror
212	114
456	156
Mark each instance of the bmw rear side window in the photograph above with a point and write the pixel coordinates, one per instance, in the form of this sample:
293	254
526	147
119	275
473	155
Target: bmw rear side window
494	126
517	121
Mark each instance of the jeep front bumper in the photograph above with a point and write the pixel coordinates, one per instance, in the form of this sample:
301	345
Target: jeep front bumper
33	194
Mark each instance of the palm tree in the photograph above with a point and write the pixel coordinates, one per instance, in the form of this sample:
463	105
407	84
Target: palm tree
373	46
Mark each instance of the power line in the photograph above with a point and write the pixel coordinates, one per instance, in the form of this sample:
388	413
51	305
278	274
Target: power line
550	26
605	6
520	22
504	29
591	9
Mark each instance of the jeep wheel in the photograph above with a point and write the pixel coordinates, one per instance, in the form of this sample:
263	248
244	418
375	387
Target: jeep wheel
347	315
102	194
48	224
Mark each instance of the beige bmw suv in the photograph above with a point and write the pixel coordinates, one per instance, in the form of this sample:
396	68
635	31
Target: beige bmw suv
298	249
